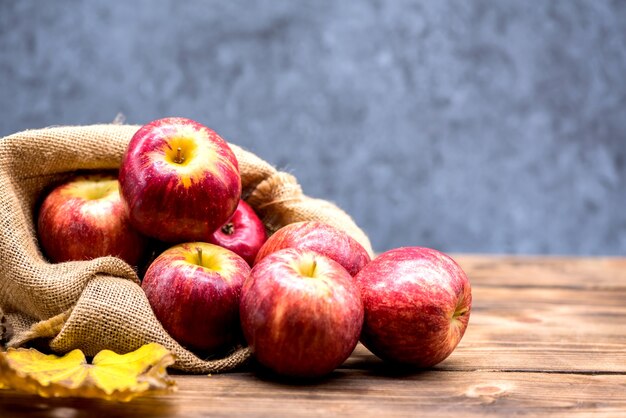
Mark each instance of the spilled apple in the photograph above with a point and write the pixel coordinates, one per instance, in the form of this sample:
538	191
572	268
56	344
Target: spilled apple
301	313
417	305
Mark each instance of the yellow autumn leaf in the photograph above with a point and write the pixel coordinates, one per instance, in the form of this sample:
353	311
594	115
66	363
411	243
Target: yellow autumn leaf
110	376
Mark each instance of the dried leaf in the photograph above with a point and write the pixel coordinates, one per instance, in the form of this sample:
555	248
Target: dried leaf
110	376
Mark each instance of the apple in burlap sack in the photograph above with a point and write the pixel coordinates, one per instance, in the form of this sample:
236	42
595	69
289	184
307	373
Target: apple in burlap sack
194	291
85	218
179	180
99	304
244	233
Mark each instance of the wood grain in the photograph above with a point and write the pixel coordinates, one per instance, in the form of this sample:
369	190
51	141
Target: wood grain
357	393
568	272
547	336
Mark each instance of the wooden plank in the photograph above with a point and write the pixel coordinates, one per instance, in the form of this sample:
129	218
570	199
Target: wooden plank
544	329
546	337
542	271
356	393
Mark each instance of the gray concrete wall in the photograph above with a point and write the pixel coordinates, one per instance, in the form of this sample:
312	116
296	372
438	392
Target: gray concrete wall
475	126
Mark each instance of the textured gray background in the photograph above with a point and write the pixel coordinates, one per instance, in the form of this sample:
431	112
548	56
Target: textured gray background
478	126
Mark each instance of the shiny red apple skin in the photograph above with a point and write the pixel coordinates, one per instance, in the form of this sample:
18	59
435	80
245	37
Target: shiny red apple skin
297	325
243	233
197	305
417	305
179	197
321	238
84	218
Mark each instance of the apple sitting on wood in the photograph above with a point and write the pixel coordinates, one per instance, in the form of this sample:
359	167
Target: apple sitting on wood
179	180
194	291
85	218
417	305
301	313
321	238
243	233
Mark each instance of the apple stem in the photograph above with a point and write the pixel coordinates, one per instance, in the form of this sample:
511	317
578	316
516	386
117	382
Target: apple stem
199	250
179	156
313	267
459	312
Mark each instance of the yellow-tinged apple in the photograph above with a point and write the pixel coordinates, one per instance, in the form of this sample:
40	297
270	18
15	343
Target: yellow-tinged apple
85	218
179	179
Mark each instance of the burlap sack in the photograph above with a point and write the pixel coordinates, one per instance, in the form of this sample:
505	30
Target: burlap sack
98	304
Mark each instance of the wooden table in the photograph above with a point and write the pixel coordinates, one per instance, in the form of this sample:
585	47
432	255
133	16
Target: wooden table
547	336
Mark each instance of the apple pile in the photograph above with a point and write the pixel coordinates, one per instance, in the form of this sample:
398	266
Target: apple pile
301	299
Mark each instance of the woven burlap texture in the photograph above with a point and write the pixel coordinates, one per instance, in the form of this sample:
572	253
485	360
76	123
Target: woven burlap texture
99	304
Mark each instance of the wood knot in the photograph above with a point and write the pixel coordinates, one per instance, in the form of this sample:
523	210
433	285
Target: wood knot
487	392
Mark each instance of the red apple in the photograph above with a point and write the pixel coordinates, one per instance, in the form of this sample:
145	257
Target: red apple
243	233
321	238
194	291
301	313
85	218
179	180
417	305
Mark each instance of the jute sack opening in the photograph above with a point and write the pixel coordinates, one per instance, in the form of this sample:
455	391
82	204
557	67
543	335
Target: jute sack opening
99	304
